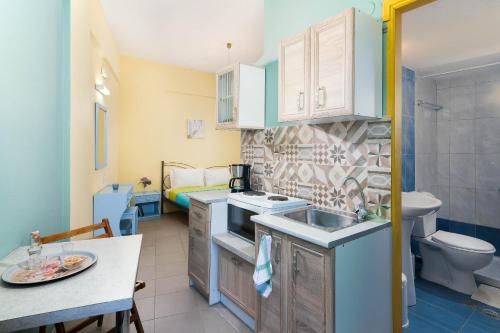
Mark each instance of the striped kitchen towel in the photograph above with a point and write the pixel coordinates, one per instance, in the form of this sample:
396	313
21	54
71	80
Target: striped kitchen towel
263	269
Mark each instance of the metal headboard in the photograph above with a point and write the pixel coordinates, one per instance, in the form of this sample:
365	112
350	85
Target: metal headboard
165	178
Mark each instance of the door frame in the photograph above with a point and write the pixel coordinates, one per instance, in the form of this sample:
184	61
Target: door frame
391	15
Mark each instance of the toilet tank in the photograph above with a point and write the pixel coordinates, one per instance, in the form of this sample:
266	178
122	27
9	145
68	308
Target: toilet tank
425	225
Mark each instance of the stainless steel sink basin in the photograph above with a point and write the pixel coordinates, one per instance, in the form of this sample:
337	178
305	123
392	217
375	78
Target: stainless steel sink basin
324	219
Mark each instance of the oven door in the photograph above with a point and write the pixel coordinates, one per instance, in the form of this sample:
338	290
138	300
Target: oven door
238	222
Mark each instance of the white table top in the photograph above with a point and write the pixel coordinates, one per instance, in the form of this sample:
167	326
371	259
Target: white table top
106	287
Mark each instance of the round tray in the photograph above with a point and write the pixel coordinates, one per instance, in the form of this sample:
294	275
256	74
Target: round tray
19	274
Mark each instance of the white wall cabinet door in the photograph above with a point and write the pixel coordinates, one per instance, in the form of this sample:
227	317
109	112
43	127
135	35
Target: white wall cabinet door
294	60
226	98
332	66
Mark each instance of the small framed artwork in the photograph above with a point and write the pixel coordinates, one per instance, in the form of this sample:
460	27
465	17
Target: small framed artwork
196	129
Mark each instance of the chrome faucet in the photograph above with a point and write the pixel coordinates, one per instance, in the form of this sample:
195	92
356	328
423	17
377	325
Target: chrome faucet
361	210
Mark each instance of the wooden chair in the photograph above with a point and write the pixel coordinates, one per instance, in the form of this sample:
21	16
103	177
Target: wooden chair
134	313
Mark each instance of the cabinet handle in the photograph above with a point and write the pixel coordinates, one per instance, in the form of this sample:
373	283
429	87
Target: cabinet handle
277	253
321	95
198	231
300	101
236	261
295	268
198	215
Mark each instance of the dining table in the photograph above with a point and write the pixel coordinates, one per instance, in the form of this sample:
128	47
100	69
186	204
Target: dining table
104	288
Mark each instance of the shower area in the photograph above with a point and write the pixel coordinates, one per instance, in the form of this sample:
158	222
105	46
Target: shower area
452	147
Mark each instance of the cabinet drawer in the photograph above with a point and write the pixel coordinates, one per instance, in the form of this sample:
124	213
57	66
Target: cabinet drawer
199	262
199	221
235	281
147	198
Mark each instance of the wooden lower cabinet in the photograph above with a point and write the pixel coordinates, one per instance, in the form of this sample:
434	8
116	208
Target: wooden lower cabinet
199	262
272	310
302	299
236	282
199	246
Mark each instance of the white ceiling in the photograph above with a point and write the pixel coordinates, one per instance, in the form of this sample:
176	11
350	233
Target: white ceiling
188	33
447	35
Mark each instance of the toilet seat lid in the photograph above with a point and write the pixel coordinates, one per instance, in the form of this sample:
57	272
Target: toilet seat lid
462	242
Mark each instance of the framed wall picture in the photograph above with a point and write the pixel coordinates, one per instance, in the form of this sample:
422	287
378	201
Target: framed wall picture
196	129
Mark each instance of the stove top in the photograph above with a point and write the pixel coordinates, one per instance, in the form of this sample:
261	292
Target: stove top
254	193
265	200
277	198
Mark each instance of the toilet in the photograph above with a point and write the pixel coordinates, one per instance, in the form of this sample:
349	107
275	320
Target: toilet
448	258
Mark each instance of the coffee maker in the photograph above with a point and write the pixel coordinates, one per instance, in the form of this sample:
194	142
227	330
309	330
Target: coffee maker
240	181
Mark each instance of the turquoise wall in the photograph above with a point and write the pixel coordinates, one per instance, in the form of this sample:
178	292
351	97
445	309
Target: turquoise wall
34	130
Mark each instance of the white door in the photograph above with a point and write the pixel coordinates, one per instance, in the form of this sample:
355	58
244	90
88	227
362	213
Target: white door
294	62
332	66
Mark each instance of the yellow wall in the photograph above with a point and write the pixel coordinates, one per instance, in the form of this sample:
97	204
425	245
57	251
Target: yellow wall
156	100
92	46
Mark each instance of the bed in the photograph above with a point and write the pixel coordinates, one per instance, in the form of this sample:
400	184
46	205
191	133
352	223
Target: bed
179	196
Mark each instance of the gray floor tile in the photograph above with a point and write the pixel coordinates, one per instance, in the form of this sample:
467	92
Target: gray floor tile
176	268
180	323
174	303
146	308
214	323
171	284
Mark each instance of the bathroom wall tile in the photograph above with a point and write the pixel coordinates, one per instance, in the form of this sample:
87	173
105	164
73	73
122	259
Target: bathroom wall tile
488	171
443	137
425	136
462	136
444	99
408	173
462	204
488	99
443	194
467	229
443	84
488	208
487	139
463	103
408	136
443	169
490	235
442	224
462	170
425	172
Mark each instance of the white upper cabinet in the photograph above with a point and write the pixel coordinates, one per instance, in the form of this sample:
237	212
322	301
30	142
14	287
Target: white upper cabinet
294	60
240	100
344	63
331	66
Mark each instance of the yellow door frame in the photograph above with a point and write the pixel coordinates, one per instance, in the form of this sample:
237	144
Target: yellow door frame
391	14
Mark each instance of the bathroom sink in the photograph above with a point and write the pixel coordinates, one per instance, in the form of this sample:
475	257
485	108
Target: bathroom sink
329	221
416	204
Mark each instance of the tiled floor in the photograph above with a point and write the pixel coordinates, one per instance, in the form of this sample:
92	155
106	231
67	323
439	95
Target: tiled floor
168	304
442	310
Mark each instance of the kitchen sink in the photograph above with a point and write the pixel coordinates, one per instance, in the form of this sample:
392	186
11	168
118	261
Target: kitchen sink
327	220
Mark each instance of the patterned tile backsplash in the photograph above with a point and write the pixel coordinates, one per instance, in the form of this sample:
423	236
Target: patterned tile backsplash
312	161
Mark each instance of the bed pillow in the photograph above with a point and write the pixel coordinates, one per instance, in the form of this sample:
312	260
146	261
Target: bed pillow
186	177
217	176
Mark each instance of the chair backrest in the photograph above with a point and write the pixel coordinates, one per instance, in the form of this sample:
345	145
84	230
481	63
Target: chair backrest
83	230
